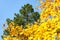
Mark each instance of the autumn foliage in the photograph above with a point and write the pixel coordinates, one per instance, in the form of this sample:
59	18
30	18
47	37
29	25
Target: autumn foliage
47	29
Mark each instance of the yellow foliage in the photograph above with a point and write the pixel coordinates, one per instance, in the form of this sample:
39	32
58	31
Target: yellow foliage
47	30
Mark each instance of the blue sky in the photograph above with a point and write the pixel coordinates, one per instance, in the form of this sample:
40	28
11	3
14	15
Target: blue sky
9	7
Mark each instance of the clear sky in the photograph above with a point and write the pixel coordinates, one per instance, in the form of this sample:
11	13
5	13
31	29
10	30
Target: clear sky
9	7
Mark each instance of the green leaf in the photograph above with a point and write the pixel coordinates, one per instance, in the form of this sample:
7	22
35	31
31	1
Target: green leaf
6	32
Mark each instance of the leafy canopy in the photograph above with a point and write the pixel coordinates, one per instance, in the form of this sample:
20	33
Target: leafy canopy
26	15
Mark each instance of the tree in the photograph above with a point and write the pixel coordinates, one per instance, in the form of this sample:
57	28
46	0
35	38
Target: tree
8	20
49	28
26	15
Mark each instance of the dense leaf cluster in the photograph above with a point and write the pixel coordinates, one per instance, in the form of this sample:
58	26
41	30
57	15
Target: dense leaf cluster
26	15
